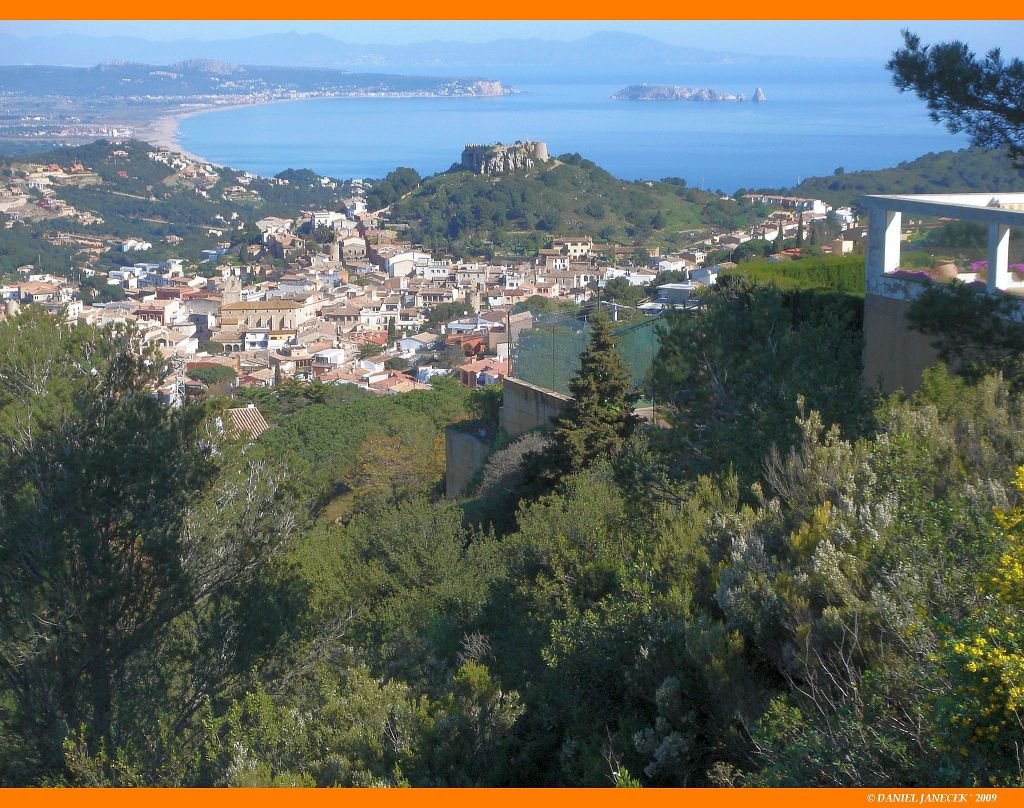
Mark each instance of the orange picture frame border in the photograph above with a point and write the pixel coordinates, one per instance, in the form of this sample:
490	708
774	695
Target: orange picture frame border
513	797
603	10
470	10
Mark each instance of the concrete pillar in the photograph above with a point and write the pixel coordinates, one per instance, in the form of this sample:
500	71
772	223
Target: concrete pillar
998	257
883	241
893	227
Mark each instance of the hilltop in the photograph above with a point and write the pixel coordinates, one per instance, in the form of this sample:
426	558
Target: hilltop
128	194
565	196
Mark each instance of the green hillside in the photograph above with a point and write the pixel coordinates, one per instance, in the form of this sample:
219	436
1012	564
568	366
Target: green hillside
137	197
945	172
463	211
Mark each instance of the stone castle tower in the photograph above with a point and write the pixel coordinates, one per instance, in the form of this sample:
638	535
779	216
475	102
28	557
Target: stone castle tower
232	290
501	159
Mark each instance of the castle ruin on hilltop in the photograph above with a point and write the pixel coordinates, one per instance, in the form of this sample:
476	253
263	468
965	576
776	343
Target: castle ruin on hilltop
501	159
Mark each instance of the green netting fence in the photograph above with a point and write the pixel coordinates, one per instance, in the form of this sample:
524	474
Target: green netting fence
548	355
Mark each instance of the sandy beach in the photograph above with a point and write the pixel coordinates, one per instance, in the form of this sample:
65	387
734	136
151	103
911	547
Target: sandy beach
163	131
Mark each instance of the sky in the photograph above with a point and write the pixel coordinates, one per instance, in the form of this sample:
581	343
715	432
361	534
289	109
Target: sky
845	39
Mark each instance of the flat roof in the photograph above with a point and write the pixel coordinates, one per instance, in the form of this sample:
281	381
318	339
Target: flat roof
984	207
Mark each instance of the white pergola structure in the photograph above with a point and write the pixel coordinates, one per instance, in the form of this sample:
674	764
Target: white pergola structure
999	212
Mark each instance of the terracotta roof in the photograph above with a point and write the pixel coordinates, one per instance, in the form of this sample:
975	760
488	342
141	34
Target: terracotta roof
343	376
251	380
36	287
407	386
365	337
247	420
484	364
389	382
268	305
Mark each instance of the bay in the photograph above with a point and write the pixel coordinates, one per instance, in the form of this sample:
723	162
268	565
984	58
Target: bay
819	116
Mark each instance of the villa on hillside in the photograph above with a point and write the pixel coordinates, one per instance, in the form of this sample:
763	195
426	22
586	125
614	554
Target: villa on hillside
895	356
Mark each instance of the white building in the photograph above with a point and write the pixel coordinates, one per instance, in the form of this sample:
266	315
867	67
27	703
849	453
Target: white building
418	263
635	277
273	226
133	245
331	219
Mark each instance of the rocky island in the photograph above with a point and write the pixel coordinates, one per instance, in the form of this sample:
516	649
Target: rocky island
666	92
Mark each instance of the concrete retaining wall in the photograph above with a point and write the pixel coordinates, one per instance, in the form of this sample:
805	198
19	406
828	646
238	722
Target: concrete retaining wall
465	454
894	355
525	406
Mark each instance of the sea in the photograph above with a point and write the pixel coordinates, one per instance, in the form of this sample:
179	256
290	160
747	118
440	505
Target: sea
819	116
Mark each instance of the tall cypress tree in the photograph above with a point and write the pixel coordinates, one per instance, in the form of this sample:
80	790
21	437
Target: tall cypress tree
600	418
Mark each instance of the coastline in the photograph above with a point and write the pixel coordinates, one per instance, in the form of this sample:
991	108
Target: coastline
669	141
163	130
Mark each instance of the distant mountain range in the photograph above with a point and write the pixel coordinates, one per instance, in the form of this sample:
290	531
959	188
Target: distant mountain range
609	49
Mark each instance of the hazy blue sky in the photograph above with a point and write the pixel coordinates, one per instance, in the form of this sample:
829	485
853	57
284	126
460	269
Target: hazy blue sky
868	39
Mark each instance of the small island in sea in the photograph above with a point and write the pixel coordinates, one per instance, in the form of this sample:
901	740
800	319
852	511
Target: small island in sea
666	92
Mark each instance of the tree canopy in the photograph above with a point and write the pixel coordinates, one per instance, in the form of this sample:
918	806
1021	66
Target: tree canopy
600	418
122	524
781	582
212	374
983	97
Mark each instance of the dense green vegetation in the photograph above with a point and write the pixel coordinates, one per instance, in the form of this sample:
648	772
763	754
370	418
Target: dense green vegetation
463	211
975	333
787	582
392	188
599	419
212	374
765	356
23	244
361	436
843	275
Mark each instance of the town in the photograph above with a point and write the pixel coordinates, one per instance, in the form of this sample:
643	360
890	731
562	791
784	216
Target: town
340	296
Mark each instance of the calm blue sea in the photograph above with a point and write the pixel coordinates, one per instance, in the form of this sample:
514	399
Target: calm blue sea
818	117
